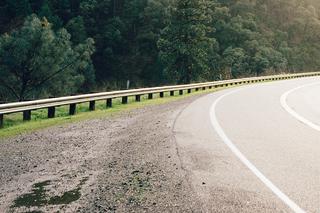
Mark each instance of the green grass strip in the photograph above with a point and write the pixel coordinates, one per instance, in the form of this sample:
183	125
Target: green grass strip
14	124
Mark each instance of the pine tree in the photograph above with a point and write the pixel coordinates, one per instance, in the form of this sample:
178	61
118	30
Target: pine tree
185	44
20	8
36	61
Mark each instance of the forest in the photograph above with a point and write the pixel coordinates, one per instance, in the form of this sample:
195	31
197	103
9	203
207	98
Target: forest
50	48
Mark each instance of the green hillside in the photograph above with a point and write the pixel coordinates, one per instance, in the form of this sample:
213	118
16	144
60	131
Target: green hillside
64	47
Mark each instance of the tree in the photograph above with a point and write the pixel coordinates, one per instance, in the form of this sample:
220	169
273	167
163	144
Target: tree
237	61
46	12
152	42
19	8
35	61
185	43
77	30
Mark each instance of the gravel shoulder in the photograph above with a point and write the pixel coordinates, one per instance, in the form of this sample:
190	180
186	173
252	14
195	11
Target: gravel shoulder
126	163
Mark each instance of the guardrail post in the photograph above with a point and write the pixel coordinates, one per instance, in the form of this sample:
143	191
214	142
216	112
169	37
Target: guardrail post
27	115
51	105
150	96
124	99
72	109
92	105
1	121
51	112
109	102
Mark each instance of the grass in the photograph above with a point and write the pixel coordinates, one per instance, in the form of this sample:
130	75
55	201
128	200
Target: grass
14	124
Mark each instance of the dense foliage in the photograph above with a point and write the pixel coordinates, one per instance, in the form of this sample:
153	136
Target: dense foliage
60	47
36	61
185	44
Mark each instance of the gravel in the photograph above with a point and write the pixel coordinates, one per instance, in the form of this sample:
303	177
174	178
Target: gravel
125	163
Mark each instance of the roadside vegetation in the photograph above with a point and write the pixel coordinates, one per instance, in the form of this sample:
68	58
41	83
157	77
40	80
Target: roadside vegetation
64	47
14	124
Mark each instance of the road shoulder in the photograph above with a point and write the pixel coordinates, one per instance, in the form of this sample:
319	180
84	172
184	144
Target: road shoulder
126	163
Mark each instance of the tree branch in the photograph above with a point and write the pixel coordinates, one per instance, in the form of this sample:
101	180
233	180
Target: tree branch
53	74
10	88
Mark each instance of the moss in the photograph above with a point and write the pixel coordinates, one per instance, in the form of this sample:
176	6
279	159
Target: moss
38	196
66	198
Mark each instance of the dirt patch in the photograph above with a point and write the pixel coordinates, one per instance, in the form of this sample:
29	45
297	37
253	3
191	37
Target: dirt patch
127	163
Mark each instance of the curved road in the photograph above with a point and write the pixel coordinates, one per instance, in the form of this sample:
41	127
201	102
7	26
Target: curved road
255	148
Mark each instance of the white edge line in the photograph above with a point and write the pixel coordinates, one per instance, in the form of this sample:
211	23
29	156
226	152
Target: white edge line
285	106
215	123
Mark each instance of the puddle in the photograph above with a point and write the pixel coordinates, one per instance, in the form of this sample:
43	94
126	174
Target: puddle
38	197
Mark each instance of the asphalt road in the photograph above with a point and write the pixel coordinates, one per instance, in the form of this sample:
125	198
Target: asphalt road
255	148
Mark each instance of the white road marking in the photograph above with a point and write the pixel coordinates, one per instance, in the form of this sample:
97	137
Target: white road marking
215	123
283	101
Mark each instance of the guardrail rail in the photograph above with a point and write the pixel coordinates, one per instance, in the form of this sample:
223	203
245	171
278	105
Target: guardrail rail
27	106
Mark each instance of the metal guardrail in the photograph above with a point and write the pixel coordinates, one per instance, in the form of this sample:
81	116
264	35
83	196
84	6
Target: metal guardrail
27	106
